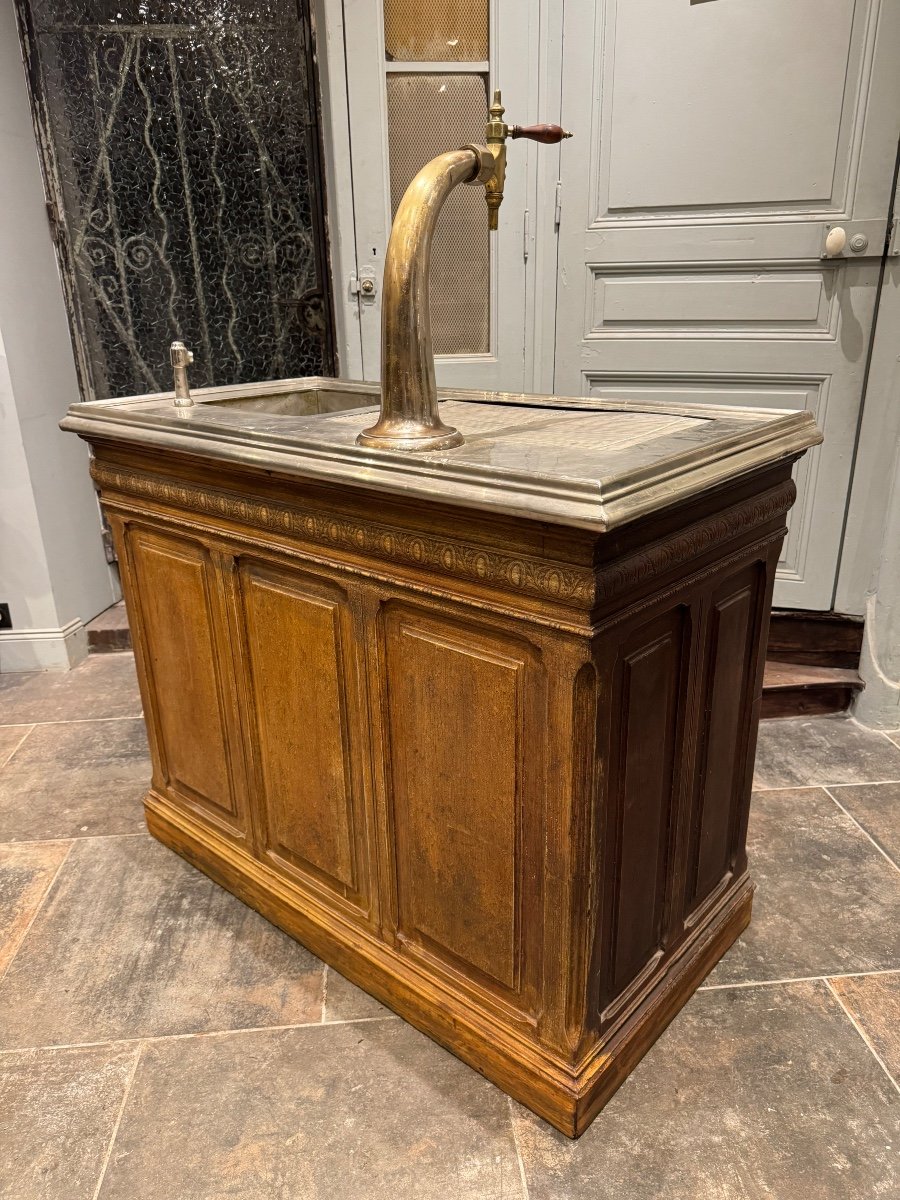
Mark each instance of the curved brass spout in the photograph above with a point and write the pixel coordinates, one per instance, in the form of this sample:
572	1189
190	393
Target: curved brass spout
409	418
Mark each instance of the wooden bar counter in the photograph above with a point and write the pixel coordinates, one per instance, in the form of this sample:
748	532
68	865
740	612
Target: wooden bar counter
476	726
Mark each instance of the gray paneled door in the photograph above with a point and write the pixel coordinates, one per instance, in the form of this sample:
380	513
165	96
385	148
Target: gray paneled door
719	141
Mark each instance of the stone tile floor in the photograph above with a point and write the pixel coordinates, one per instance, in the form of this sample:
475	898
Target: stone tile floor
160	1041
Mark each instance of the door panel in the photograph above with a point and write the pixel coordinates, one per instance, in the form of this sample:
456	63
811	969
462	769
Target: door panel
720	142
764	302
698	100
752	391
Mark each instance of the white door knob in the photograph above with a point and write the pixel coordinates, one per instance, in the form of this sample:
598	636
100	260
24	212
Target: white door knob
835	241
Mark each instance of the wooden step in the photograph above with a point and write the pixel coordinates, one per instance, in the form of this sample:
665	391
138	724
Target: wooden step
821	639
109	631
797	689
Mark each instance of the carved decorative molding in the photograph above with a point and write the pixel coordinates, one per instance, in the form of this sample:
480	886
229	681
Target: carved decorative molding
520	573
577	586
672	552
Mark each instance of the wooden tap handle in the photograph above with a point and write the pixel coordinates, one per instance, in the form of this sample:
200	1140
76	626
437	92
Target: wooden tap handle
548	134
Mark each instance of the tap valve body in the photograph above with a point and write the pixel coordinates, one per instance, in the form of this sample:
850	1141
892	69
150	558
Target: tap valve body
495	134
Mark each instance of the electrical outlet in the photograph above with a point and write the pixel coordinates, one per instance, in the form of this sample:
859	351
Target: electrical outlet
5	618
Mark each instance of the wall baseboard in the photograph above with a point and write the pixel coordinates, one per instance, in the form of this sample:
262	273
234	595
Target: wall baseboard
43	649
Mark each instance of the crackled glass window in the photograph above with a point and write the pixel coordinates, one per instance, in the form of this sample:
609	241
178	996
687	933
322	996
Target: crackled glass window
436	61
180	145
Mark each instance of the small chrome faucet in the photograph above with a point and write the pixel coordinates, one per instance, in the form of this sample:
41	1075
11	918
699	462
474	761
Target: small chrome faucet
181	359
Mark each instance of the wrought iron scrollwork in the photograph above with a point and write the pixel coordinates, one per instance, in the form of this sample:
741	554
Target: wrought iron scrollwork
180	146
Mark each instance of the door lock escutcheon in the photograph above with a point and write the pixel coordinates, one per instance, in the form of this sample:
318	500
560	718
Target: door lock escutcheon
853	239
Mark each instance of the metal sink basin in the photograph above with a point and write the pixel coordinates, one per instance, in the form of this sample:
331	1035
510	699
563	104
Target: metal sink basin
292	397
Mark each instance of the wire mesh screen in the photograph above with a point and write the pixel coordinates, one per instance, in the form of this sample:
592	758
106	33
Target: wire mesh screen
437	31
180	144
427	114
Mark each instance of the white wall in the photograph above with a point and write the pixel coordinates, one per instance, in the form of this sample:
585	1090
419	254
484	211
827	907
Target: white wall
53	571
24	579
869	581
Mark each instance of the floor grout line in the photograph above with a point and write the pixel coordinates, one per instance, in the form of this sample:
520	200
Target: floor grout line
804	787
512	1122
721	987
862	1033
76	837
115	1131
28	729
862	830
790	787
202	1033
866	783
34	916
71	721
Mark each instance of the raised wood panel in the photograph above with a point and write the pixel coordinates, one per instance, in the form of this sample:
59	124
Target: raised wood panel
641	806
456	717
732	649
174	588
303	683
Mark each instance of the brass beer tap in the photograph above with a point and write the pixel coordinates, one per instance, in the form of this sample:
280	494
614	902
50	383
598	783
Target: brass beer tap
409	419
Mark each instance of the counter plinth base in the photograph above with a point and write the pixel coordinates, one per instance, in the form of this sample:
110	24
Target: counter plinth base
494	770
568	1100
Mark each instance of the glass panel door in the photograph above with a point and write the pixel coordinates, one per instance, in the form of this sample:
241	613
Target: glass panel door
418	81
427	114
431	110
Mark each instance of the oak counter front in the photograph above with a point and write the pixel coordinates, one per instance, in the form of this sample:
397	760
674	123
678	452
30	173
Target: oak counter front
477	726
